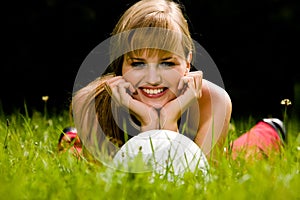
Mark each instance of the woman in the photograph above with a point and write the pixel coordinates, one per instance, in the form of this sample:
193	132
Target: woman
152	84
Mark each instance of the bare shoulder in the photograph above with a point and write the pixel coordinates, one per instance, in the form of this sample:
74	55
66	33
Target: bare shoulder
215	93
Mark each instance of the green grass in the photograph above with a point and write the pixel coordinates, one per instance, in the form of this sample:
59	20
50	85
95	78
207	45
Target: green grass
31	168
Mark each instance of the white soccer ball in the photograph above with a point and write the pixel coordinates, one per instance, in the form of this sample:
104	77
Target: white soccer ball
162	151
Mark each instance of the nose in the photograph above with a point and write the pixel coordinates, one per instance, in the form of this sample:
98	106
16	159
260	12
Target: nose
153	75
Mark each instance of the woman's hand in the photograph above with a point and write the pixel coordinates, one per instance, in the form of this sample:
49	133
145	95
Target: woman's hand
121	91
189	88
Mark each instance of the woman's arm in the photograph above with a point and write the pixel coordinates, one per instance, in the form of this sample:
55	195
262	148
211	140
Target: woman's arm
215	112
190	91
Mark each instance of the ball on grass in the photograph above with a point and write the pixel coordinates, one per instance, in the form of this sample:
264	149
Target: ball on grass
162	151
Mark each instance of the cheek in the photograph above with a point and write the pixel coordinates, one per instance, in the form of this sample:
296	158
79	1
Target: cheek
173	76
133	76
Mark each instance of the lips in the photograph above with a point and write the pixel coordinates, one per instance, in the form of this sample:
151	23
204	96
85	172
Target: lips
153	92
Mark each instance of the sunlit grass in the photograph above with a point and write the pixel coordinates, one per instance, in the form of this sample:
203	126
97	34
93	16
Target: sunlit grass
31	168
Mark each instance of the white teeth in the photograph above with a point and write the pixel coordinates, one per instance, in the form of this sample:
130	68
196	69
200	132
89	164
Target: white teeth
153	91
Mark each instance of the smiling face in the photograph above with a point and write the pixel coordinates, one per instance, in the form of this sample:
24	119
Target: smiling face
155	74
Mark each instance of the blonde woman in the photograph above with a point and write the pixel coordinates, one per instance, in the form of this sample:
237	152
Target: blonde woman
151	84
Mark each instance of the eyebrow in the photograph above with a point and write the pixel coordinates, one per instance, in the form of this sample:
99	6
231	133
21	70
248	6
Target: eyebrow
142	59
134	58
170	57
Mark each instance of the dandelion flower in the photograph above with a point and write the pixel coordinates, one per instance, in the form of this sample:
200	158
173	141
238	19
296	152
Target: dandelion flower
286	102
45	98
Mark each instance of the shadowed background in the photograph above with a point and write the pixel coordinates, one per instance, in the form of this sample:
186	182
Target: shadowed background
254	44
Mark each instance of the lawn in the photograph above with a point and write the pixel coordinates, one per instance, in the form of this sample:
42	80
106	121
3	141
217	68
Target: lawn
31	168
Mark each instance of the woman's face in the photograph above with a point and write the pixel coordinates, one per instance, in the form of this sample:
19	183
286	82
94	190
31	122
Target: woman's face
155	75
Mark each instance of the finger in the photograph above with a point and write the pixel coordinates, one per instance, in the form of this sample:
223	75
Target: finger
111	83
116	80
189	82
127	86
197	76
182	82
123	88
115	90
131	89
198	81
107	88
113	79
115	95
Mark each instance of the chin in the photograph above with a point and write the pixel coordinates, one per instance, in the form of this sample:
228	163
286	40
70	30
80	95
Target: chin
156	105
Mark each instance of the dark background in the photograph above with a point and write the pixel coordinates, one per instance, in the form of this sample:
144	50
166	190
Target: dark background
254	44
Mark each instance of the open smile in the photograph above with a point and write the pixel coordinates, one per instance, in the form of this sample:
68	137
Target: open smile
153	92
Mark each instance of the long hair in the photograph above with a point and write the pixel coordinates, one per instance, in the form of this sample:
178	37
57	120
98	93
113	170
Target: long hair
92	105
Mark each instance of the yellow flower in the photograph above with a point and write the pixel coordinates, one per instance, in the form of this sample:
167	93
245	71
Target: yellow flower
286	102
45	98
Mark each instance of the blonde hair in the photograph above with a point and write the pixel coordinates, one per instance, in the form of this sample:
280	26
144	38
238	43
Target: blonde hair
150	24
92	105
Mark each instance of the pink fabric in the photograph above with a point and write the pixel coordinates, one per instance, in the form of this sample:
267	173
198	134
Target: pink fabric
71	134
77	143
260	140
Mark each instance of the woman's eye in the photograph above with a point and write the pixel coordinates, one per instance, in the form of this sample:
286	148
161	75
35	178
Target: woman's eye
167	64
138	64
